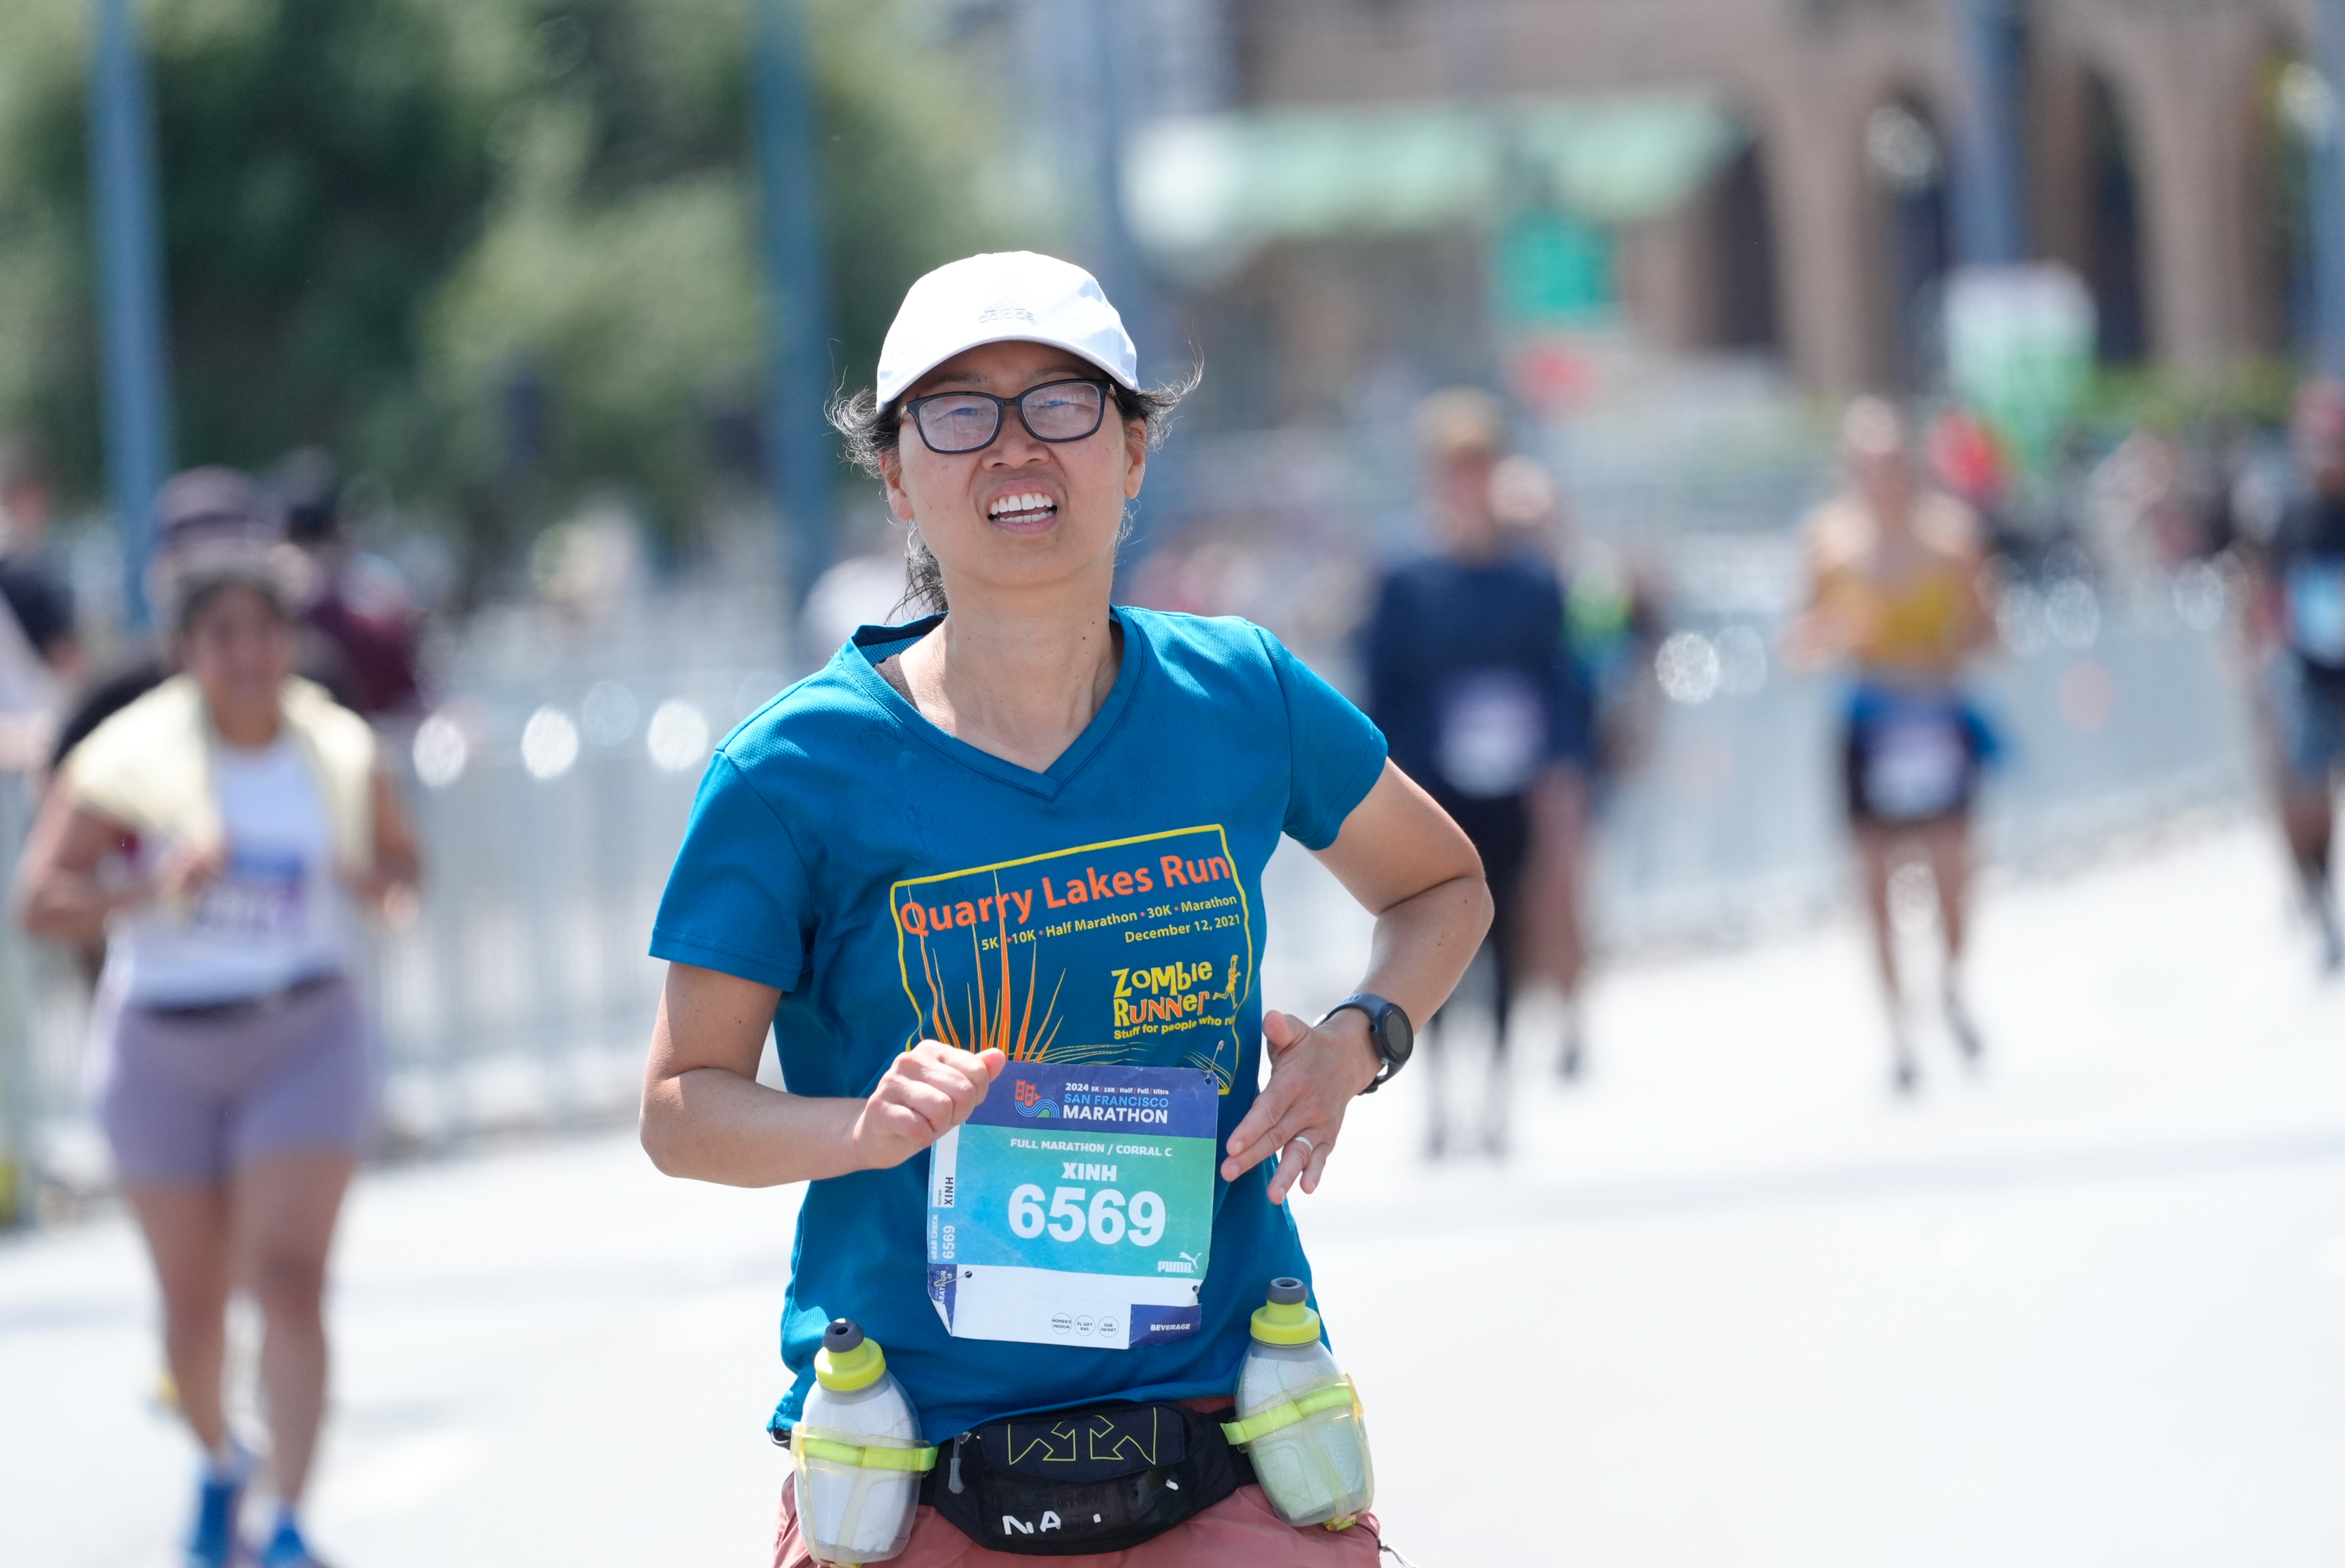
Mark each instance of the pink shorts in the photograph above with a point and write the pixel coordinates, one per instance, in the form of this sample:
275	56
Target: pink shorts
1241	1528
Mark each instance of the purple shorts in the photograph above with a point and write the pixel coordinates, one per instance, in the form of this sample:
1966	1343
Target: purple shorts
192	1095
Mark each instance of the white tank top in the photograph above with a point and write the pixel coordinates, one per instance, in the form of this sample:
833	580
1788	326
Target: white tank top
276	915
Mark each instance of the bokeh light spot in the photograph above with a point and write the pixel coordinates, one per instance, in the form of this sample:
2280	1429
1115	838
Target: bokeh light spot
441	751
1687	666
678	736
549	743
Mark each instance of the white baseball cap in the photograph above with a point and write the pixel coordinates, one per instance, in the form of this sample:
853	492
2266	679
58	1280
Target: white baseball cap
1003	296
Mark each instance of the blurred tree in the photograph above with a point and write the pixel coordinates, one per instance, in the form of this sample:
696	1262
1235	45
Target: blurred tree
49	354
496	252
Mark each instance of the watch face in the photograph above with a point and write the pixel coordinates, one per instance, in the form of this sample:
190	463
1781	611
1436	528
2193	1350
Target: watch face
1396	1034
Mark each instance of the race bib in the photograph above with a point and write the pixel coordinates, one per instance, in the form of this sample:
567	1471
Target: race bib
1492	732
2316	609
1915	767
1076	1206
260	895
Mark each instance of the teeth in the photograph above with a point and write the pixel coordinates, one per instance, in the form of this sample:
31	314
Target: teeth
1029	503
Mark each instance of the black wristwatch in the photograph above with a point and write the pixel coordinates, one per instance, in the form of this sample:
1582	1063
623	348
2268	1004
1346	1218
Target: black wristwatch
1389	1030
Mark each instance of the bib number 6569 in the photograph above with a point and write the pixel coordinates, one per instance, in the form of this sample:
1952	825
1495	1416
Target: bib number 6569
1107	1219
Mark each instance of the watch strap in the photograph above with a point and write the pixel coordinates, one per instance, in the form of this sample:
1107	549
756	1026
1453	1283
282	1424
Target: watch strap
1370	1006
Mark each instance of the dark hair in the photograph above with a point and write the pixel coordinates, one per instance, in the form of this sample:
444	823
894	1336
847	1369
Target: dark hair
872	431
205	587
309	495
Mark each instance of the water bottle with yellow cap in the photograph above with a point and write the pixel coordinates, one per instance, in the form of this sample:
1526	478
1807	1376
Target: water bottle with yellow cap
856	1452
1299	1418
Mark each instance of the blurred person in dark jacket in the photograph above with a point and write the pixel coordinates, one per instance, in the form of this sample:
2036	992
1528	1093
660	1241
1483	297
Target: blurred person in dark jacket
2299	618
1469	677
1611	625
362	618
35	591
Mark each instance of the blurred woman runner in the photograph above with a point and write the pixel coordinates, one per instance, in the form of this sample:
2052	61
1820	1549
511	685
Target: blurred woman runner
1066	771
1897	593
215	832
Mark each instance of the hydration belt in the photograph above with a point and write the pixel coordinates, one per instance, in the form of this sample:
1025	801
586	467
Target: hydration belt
1096	1478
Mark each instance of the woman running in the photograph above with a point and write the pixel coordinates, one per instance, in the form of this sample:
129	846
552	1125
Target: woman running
215	834
1023	838
1897	593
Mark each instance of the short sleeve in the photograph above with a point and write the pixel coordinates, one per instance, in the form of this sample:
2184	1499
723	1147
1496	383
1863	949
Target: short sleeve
1337	754
736	900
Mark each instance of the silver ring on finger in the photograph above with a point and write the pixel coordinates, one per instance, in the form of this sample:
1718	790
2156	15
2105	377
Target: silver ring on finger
1307	1141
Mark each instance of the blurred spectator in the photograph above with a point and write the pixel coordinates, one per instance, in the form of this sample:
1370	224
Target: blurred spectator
1610	629
30	582
2142	520
1467	675
869	588
1202	575
1897	593
1613	624
1967	463
362	617
1964	459
2301	615
588	565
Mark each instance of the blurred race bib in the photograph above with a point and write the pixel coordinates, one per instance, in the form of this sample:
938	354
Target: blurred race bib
1915	766
1493	733
260	895
2316	609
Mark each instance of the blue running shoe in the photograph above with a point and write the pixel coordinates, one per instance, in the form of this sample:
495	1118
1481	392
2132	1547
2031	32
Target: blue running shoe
212	1544
286	1549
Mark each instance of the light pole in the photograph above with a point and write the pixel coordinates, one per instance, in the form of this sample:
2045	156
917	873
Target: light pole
136	378
2328	191
798	308
1991	222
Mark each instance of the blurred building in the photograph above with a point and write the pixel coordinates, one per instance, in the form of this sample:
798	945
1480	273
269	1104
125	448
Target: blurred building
1479	189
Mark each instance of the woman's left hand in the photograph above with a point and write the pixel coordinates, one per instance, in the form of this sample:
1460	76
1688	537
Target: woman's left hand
1314	1076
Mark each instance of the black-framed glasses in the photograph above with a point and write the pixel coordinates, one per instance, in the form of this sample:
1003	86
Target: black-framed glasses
955	422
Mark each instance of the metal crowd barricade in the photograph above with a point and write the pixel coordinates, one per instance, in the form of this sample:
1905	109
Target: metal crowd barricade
522	995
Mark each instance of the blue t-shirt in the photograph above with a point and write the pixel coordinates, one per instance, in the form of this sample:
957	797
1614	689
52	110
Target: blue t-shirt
1147	837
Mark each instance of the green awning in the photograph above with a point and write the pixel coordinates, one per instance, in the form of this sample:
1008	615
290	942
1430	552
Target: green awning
1203	194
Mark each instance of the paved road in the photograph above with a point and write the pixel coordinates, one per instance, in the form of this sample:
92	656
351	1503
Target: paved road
1726	1305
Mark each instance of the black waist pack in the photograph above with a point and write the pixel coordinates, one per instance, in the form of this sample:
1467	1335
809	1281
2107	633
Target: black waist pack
1101	1478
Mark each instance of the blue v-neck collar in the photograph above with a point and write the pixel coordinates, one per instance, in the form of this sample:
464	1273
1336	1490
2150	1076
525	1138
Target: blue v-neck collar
872	643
